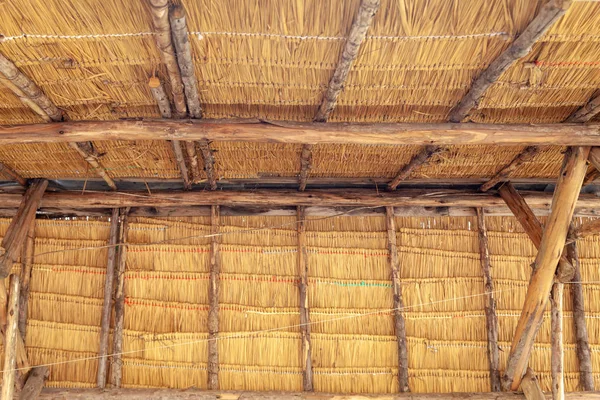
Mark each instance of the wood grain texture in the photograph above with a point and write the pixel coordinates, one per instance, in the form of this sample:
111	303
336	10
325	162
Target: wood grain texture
531	386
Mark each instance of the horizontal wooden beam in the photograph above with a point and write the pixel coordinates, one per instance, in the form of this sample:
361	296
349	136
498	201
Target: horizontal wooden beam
189	394
305	132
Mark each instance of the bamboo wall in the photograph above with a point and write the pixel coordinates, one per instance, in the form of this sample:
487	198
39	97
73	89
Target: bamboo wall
166	307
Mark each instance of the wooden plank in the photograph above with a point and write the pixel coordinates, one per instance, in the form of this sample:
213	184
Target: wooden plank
91	156
587	112
305	166
209	163
417	161
543	21
26	267
558	356
399	323
302	257
305	132
213	300
111	264
10	340
19	226
187	184
160	96
6	170
584	352
531	386
358	32
552	244
184	59
117	349
162	27
35	383
490	307
195	394
505	172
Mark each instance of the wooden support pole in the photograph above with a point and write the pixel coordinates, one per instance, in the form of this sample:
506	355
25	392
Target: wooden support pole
213	300
584	352
506	171
10	340
184	59
160	96
35	383
13	175
305	166
417	161
558	356
209	163
111	264
26	268
553	241
16	234
548	15
187	184
531	386
190	148
490	306
117	362
27	91
91	156
399	323
587	112
358	32
532	226
302	257
162	27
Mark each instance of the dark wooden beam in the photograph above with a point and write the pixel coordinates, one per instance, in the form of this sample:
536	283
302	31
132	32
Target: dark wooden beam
417	161
551	247
209	163
302	257
35	383
556	332
9	377
490	307
587	112
543	21
6	170
399	323
505	172
305	166
213	299
358	31
26	268
91	156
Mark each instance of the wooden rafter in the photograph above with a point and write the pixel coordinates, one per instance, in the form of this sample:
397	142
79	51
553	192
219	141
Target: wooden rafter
27	255
557	363
304	132
302	257
550	249
91	156
587	229
417	161
505	172
305	166
357	34
178	152
160	96
594	159
587	112
213	299
548	15
9	377
209	163
184	59
14	176
190	148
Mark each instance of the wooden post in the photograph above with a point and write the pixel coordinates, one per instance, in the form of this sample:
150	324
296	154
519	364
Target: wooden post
10	341
399	324
187	185
26	267
490	307
531	386
35	383
108	296
417	161
209	163
213	299
553	241
505	172
190	148
558	357
158	92
90	155
305	166
19	226
304	308
584	353
117	363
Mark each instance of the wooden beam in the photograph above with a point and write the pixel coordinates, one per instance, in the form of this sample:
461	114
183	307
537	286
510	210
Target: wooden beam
117	348
6	170
543	21
213	300
505	172
587	112
91	156
594	159
162	27
27	91
305	166
551	247
591	177
586	229
531	386
187	184
184	59
399	323
190	148
532	226
10	340
584	353
26	268
558	356
209	163
195	394
302	257
358	31
160	96
35	383
19	226
111	264
490	307
304	132
417	161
